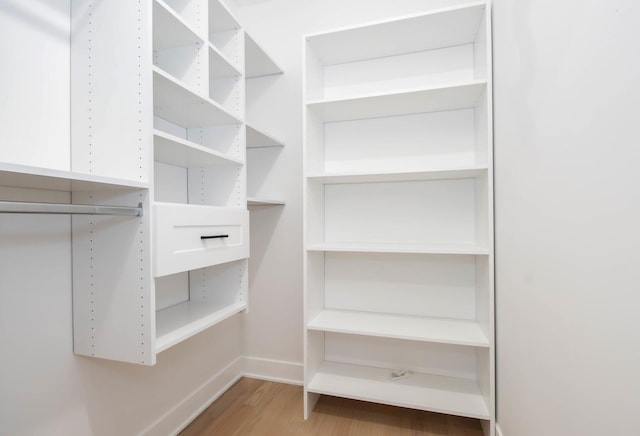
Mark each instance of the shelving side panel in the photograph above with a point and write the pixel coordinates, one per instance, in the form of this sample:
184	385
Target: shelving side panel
111	96
34	113
402	143
113	293
442	286
435	211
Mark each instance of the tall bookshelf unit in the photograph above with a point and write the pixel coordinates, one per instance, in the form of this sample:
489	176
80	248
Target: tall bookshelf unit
399	213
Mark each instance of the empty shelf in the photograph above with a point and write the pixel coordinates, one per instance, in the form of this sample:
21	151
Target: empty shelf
258	139
253	201
180	152
419	391
395	176
177	323
373	247
175	102
445	331
257	61
170	30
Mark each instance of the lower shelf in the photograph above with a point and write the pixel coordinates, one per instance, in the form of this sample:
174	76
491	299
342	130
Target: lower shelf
177	323
254	201
419	391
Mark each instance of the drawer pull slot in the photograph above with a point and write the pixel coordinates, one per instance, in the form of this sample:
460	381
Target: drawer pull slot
214	237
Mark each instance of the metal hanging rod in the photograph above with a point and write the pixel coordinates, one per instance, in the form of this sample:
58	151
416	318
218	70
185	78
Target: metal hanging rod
74	209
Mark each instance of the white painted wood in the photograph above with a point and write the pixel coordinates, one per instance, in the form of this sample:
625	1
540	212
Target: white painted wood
219	65
436	212
171	290
420	141
177	151
432	286
257	61
180	322
397	176
401	102
398	221
25	176
170	183
35	108
178	232
220	18
192	12
170	30
395	247
257	138
111	114
439	330
175	102
419	32
419	391
253	201
113	297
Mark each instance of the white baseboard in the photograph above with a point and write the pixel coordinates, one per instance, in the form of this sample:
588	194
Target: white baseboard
273	370
498	431
176	419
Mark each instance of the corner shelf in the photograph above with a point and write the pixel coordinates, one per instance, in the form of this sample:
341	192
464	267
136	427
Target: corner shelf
412	328
258	62
257	138
419	391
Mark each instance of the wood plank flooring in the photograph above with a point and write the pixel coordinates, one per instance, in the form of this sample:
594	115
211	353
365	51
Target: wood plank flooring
256	407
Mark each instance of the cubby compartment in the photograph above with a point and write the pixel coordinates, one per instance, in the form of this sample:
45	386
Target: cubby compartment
417	213
429	50
190	302
225	34
178	49
438	377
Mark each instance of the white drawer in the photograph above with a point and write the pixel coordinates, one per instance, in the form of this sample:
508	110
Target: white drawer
189	237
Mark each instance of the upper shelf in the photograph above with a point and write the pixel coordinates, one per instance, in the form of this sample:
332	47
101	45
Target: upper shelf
441	28
180	152
175	102
170	30
403	102
24	176
257	61
259	139
220	18
219	65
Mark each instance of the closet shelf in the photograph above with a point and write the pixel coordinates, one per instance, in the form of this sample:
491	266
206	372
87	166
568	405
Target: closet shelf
414	328
447	27
258	62
254	201
398	176
400	248
220	18
257	138
176	151
25	176
175	102
177	323
219	66
170	29
434	393
402	102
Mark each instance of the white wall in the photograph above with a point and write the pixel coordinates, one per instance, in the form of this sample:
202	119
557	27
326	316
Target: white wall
567	148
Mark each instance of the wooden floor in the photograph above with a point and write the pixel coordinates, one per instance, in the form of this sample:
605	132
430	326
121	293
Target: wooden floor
256	407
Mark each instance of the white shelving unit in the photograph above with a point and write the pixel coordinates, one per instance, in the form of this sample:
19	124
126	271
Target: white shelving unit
157	121
262	147
398	201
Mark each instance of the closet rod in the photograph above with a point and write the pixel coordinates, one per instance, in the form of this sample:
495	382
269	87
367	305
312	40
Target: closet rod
75	209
